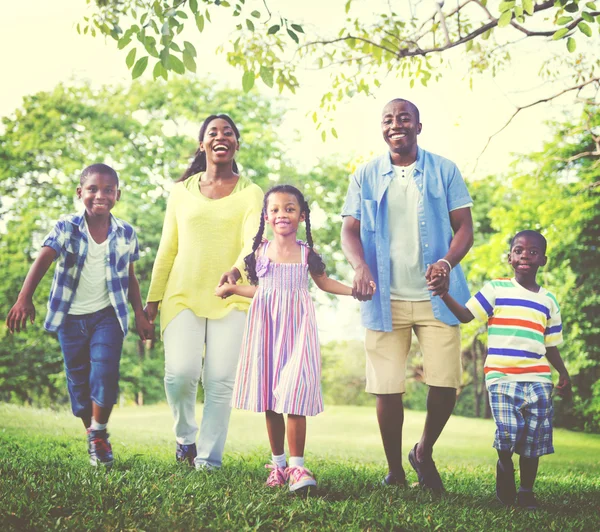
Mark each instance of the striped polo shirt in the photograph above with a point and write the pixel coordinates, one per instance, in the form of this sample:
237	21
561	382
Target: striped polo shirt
521	324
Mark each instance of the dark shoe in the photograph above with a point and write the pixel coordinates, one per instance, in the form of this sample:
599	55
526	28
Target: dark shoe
505	484
526	499
99	448
393	480
186	453
427	473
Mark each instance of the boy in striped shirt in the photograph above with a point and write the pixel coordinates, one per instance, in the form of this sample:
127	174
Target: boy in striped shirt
524	330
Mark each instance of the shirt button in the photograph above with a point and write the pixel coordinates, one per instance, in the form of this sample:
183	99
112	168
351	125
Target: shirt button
422	223
426	245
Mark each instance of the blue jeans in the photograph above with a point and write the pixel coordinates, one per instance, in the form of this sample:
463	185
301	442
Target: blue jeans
91	346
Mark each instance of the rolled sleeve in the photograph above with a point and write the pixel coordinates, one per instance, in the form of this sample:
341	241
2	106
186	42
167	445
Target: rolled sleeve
353	198
457	195
55	239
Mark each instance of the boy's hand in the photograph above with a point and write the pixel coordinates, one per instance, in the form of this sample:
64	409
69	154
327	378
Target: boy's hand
563	388
143	326
224	290
17	316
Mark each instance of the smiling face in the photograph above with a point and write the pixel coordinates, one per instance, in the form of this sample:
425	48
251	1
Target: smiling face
99	193
219	142
527	255
400	127
283	213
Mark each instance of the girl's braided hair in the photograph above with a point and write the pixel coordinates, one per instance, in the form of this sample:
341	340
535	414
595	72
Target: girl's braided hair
316	266
198	164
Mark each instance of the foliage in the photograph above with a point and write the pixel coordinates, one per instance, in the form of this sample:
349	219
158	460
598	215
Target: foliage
360	50
46	482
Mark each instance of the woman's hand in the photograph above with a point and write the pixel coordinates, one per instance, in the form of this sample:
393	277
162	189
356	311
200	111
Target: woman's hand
230	277
224	290
151	310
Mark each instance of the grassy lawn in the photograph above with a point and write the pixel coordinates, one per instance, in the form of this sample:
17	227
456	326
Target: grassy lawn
46	482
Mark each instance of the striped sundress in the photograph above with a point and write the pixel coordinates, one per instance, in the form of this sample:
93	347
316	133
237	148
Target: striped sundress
280	359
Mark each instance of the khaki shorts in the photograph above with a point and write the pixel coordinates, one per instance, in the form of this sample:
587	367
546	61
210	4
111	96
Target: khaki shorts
387	352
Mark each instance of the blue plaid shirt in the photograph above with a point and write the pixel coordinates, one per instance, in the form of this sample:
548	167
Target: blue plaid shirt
70	241
442	190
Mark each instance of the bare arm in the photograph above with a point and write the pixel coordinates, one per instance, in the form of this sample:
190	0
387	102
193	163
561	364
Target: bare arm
563	388
144	328
353	249
332	286
463	314
227	289
23	308
437	273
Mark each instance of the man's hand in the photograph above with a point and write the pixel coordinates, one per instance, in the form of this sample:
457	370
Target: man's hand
438	278
563	388
18	315
363	286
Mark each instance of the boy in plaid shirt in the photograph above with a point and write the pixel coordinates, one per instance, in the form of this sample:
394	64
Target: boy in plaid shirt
87	308
524	330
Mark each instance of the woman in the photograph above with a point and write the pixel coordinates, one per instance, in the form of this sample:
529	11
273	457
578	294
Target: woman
211	217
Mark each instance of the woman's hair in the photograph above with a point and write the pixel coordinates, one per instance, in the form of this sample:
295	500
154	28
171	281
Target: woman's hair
316	266
198	164
98	168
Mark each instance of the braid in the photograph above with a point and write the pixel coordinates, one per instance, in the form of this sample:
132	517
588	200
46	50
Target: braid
250	259
316	265
198	164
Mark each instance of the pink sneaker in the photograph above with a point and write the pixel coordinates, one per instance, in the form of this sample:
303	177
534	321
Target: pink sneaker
300	477
278	476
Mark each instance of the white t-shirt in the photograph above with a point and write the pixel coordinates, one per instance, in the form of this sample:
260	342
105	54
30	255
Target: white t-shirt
407	268
92	291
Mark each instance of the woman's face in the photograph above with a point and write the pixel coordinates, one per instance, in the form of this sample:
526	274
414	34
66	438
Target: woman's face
219	142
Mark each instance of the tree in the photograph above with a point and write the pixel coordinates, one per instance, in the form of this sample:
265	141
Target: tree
401	39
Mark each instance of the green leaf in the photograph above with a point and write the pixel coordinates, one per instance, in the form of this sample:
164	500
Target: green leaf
200	23
194	6
559	34
176	64
572	7
293	36
587	17
298	28
314	117
166	29
585	29
188	61
189	48
249	24
564	20
528	6
130	59
469	45
505	19
255	14
591	5
323	135
266	74
347	6
159	71
139	67
247	81
486	34
123	42
506	6
571	44
334	132
273	29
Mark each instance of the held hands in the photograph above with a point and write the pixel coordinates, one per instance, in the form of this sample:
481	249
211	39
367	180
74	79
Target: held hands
144	327
17	316
363	286
224	290
438	278
563	388
230	277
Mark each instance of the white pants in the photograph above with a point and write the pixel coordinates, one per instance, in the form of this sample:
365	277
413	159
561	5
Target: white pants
184	339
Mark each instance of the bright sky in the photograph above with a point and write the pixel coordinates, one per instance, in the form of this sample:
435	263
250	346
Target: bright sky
41	48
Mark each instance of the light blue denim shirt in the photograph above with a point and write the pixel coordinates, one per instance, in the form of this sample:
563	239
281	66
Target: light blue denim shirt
442	190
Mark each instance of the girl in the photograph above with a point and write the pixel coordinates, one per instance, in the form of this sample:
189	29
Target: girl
209	224
280	365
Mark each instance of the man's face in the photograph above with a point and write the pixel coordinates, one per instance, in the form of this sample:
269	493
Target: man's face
400	127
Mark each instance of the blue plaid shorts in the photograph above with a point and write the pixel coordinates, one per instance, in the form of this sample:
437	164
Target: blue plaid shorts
523	415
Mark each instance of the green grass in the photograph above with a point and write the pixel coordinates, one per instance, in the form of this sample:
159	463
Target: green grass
46	482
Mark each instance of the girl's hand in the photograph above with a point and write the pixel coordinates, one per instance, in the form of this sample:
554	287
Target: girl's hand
224	290
143	326
151	310
438	278
17	316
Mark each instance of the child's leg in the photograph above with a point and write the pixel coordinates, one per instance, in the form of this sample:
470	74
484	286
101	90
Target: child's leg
296	434
528	471
276	432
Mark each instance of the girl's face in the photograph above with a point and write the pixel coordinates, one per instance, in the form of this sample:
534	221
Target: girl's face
283	213
219	142
99	193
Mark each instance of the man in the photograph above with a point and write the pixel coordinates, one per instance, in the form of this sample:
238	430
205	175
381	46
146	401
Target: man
407	225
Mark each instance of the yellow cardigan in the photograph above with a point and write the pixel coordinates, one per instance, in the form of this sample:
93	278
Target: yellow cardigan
201	239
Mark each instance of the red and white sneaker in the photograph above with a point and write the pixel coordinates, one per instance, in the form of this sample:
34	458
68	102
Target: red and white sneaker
277	477
300	477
